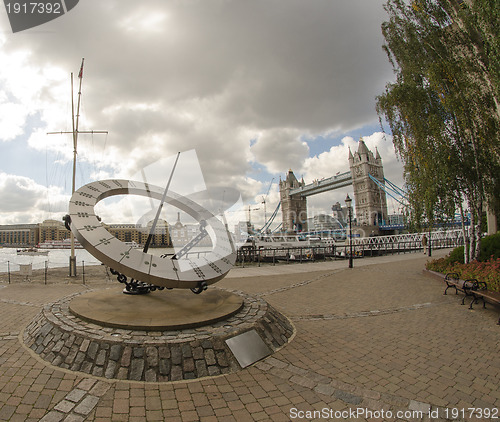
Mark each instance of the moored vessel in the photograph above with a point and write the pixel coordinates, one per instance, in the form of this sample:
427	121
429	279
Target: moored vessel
31	252
59	244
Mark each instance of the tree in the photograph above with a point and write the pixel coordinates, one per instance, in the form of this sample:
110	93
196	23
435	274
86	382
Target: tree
443	107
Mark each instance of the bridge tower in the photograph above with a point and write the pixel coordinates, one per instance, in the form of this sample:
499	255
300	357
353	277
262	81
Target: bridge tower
370	199
293	208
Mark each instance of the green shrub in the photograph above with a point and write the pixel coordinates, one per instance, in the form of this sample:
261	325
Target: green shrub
490	247
486	269
456	255
440	265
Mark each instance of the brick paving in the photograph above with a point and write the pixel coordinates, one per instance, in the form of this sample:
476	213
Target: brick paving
380	337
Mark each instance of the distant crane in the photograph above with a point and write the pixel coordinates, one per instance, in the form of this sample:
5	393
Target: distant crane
264	200
250	209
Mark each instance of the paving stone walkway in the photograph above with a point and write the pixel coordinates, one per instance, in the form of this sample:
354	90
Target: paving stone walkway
376	342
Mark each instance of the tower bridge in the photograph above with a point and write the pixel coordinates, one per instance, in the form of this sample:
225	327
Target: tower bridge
366	175
324	185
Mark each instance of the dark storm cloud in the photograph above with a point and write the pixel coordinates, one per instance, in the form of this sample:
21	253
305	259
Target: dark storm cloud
214	75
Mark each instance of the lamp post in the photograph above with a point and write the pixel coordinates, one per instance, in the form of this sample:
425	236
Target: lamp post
430	244
348	202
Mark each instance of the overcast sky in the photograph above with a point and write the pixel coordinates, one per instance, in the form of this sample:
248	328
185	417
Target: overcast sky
254	87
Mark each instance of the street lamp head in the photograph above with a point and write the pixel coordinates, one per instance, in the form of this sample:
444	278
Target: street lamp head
348	201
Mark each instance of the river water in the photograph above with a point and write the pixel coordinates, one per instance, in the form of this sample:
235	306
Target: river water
10	260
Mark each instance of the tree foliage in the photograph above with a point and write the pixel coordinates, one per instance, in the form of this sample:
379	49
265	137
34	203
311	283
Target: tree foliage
443	106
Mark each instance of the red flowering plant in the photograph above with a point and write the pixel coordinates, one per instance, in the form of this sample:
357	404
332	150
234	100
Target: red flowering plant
486	270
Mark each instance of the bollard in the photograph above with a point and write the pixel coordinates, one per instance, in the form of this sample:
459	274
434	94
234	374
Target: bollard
8	269
45	272
83	272
72	266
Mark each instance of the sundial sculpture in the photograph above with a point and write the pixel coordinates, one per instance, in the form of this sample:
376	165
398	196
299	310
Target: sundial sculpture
138	269
235	328
247	336
238	330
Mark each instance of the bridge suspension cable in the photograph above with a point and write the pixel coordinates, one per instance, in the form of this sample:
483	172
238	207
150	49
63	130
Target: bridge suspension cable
277	229
392	190
268	223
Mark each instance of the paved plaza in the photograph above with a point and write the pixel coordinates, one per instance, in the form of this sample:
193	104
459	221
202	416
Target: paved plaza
376	342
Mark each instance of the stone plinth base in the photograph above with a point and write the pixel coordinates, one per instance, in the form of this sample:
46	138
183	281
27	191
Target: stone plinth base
68	341
162	311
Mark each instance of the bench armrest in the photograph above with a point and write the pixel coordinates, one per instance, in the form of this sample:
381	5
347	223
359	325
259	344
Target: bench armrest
480	285
451	276
474	284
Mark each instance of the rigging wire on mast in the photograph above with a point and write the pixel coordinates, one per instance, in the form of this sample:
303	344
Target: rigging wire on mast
75	132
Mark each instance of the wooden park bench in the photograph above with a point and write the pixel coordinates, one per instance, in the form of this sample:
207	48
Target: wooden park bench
464	286
474	288
480	291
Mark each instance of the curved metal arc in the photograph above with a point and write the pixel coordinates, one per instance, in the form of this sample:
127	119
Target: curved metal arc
146	267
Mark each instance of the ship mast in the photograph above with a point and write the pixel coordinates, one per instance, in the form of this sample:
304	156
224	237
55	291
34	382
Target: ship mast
75	132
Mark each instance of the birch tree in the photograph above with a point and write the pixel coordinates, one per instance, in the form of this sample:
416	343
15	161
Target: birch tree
442	109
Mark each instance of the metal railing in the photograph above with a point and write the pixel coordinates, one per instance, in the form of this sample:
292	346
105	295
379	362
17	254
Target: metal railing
376	246
438	235
17	272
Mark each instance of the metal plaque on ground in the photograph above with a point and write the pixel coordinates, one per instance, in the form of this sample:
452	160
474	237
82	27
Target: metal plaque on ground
248	348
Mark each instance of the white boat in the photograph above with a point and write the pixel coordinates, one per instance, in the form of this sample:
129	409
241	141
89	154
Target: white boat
59	244
31	252
283	241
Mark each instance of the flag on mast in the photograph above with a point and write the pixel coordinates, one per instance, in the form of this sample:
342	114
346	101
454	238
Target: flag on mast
80	75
